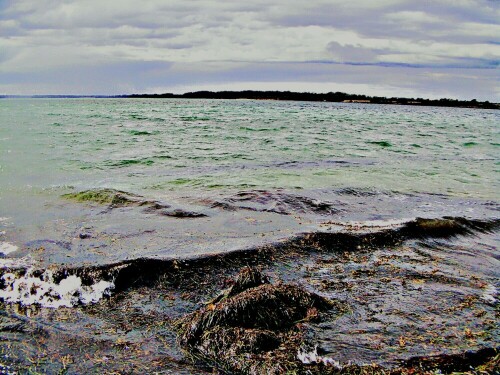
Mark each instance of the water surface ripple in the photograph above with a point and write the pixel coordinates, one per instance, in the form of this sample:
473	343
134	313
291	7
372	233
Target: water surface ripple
118	216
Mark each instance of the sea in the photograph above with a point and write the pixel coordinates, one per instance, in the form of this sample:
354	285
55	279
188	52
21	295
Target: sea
108	205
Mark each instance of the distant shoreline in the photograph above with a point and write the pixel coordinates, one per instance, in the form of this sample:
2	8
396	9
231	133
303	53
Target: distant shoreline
332	97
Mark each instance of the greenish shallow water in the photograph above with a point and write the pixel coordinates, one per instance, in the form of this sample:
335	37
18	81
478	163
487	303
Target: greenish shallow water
206	146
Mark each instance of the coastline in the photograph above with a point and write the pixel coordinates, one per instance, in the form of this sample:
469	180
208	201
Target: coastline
331	97
380	279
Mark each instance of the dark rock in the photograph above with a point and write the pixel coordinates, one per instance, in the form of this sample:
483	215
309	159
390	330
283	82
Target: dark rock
256	327
182	214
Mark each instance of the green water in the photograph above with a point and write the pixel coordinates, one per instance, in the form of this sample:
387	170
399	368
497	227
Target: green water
217	147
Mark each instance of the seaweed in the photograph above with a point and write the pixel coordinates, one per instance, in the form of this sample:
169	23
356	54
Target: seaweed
248	277
104	196
116	198
255	327
483	360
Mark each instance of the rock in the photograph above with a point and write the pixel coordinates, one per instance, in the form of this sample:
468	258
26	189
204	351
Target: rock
255	327
182	214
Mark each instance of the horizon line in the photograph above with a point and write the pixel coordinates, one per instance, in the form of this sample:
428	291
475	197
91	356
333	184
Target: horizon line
184	95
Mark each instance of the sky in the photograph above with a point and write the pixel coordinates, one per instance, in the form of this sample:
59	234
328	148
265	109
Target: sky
432	49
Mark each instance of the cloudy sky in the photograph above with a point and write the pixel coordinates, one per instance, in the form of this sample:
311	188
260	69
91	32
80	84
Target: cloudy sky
440	48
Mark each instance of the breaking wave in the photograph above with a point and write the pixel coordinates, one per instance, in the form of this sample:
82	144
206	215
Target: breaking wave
42	288
87	285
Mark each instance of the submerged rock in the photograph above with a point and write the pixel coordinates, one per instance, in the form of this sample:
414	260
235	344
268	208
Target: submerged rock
255	327
104	196
116	198
182	214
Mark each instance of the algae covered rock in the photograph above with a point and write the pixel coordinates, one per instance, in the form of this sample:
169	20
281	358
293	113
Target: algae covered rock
104	196
255	327
115	199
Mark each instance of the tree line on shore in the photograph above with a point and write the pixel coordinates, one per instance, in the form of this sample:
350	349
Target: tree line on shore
337	97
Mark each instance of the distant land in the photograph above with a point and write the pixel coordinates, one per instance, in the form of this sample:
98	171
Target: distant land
336	97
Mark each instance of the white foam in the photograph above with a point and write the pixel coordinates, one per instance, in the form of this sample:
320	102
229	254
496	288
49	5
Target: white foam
15	262
7	248
43	291
312	356
490	294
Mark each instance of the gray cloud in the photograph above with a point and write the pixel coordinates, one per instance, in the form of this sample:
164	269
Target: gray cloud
417	20
353	54
446	47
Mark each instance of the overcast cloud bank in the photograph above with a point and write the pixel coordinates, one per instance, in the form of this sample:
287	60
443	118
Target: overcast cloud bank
446	48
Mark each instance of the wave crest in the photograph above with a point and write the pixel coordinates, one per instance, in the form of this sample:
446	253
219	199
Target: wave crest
43	289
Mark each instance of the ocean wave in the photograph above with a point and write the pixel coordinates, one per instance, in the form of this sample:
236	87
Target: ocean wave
115	198
80	285
278	202
7	248
43	289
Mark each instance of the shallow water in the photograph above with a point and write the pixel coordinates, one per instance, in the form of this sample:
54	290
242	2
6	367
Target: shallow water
196	181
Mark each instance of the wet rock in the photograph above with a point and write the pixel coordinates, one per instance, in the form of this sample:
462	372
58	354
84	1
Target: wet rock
182	214
484	361
255	327
267	306
116	198
163	209
241	340
110	197
153	207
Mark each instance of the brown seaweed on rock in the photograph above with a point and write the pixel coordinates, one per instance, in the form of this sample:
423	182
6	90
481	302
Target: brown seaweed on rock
247	278
255	327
